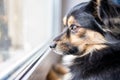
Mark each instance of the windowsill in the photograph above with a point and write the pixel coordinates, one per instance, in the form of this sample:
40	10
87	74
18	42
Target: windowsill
43	67
16	67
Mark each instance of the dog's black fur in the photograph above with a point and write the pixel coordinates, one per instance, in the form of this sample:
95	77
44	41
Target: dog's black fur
102	65
102	16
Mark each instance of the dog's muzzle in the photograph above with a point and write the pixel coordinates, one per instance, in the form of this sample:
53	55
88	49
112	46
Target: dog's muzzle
53	45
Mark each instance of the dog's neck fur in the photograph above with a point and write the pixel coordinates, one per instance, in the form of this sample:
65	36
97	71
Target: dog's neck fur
95	63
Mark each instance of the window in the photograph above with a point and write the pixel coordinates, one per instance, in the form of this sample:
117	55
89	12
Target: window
26	27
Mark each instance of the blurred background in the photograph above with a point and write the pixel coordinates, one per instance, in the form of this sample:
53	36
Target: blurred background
28	24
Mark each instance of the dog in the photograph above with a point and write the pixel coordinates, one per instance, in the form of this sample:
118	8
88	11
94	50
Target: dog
92	39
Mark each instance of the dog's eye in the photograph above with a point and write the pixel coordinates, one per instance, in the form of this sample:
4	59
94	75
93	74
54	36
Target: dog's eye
78	30
74	28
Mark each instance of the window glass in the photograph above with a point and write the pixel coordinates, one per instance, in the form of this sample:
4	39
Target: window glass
24	25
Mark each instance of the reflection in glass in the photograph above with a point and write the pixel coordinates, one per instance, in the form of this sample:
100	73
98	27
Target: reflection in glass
5	41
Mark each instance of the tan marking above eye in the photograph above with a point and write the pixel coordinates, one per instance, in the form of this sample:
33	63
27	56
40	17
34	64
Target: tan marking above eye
71	20
65	20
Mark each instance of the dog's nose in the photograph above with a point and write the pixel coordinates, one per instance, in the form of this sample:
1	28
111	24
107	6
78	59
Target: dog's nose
53	45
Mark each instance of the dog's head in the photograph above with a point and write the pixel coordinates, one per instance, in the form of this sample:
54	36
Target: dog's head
86	29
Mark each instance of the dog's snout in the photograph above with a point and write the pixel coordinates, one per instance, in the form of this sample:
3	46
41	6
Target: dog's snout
53	45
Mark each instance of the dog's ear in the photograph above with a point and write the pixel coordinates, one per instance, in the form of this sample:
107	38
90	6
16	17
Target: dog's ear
102	9
94	8
107	13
